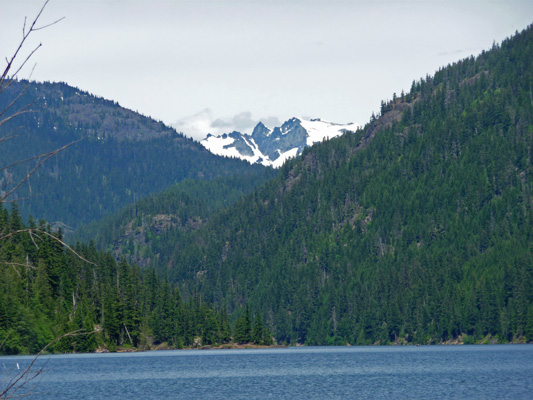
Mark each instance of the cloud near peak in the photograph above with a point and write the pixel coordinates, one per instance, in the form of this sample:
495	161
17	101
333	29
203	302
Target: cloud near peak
199	125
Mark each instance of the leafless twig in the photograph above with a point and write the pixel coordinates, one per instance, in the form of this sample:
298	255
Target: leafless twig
5	340
5	81
14	265
28	374
13	386
42	159
36	232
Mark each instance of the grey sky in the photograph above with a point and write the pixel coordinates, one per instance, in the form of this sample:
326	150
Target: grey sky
212	66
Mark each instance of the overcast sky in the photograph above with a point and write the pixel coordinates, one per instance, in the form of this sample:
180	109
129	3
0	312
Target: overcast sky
218	65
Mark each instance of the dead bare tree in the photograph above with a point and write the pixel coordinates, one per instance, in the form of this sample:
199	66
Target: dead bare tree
11	71
12	110
14	384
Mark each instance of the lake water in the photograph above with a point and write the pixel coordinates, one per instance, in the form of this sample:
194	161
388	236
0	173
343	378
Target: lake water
425	372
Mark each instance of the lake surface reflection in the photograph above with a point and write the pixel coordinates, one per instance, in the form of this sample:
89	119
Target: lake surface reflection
425	372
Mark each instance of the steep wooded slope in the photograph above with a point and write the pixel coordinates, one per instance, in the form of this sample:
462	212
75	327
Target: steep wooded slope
417	228
137	231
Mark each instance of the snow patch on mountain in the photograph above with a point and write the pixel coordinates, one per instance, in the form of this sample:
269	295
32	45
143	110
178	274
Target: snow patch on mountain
278	162
224	145
319	130
273	147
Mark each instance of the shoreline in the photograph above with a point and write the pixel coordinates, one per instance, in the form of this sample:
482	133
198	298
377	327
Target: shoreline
486	341
163	347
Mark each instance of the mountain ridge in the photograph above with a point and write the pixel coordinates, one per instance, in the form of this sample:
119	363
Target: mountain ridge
123	156
273	147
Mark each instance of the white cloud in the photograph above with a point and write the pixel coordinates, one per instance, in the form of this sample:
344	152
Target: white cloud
241	122
271	122
198	125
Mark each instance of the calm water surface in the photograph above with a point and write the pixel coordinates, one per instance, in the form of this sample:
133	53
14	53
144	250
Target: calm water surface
425	372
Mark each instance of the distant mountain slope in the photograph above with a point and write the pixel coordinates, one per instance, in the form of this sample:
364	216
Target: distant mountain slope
273	147
122	158
136	232
416	229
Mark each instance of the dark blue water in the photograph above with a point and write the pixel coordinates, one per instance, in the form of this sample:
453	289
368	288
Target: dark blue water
426	372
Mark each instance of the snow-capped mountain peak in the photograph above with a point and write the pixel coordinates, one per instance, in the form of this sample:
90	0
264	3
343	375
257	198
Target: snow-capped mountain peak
275	146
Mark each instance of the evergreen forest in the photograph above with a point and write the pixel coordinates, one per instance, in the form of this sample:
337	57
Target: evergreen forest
416	229
135	232
49	290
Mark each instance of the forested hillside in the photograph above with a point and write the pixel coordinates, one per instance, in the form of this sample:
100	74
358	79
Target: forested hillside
137	232
417	228
48	290
121	158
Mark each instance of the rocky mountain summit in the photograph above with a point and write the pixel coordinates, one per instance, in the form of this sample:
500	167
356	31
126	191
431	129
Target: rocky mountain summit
272	147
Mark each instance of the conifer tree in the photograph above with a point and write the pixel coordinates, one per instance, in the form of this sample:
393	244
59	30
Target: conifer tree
243	329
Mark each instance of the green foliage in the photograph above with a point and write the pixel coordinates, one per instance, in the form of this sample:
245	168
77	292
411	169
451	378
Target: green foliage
417	228
243	328
47	291
141	231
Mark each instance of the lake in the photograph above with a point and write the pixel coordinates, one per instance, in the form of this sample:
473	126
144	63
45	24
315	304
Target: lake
425	372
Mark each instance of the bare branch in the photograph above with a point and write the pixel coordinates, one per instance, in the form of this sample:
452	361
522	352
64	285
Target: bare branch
68	247
5	339
45	157
7	78
27	375
34	157
14	265
21	111
21	199
47	25
7	137
10	234
2	112
33	240
25	35
10	82
11	135
36	232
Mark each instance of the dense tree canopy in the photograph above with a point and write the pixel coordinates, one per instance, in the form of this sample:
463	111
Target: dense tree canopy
417	228
48	290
